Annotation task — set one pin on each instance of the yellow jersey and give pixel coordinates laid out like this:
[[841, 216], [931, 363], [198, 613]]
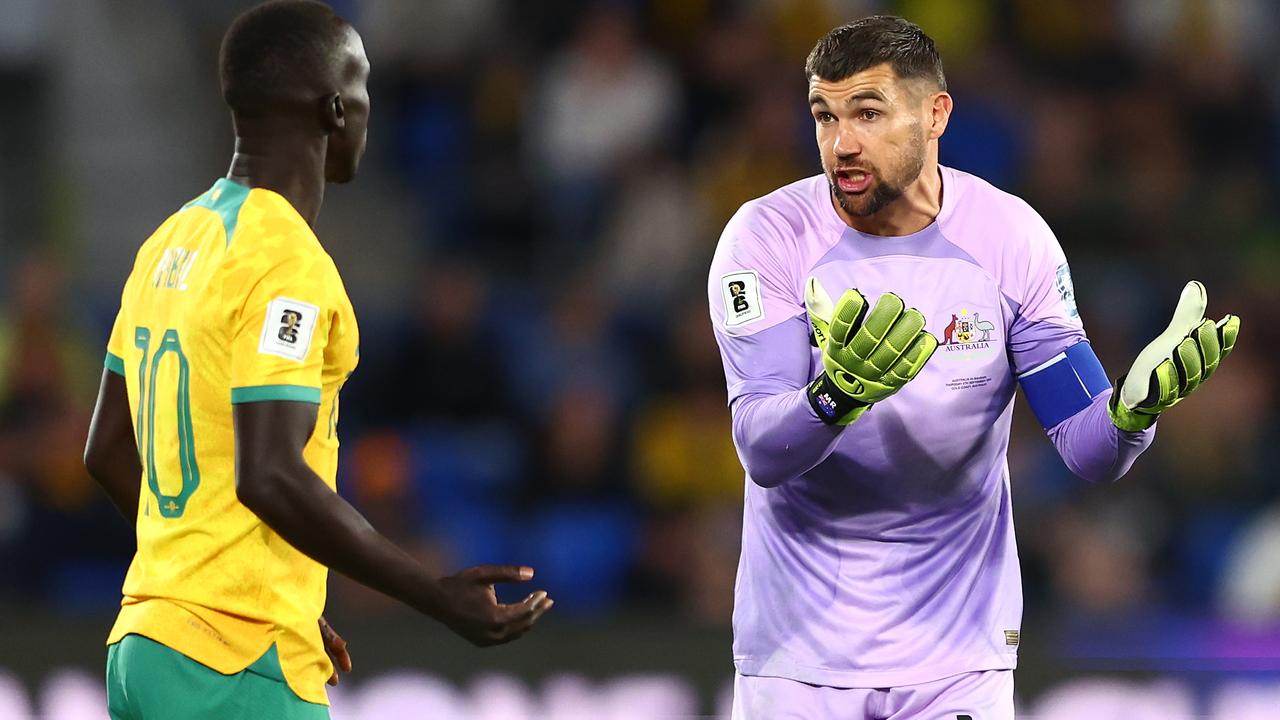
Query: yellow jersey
[[232, 300]]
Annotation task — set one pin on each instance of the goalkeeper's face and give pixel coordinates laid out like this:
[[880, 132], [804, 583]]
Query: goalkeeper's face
[[872, 137]]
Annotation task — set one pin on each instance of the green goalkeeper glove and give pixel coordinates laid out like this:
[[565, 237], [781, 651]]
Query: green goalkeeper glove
[[1174, 364], [866, 356]]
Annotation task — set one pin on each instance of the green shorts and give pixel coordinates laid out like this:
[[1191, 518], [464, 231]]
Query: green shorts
[[146, 679]]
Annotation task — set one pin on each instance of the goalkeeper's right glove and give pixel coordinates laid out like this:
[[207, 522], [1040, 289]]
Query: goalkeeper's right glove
[[866, 356]]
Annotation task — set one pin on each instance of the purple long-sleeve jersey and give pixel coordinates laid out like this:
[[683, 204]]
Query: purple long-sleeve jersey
[[882, 554]]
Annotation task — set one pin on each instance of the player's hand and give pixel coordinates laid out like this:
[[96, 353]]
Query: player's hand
[[866, 356], [1175, 363], [469, 606], [336, 648]]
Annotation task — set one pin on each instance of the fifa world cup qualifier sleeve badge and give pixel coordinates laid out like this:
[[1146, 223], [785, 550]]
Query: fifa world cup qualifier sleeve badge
[[741, 298], [287, 328]]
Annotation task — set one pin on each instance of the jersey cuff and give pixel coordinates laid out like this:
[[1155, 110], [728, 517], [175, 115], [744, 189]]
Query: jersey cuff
[[263, 393], [114, 363]]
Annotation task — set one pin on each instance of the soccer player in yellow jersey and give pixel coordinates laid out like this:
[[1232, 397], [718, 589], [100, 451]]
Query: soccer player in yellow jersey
[[214, 429]]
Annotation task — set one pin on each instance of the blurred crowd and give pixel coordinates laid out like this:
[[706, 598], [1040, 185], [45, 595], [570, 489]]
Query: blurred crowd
[[527, 250]]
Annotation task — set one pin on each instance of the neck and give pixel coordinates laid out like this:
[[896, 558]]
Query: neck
[[919, 206], [288, 163]]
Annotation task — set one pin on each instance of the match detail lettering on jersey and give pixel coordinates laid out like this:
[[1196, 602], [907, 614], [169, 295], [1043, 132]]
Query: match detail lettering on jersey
[[287, 330], [741, 298]]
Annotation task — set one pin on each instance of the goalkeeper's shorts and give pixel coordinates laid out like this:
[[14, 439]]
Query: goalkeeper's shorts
[[983, 695], [146, 679]]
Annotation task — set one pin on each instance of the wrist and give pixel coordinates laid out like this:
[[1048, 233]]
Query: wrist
[[1126, 419], [832, 405], [415, 586], [429, 598]]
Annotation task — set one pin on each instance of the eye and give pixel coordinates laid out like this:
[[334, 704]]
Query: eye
[[868, 115], [823, 117]]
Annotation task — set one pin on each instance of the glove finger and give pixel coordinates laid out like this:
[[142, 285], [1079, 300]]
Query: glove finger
[[1187, 361], [900, 337], [1190, 310], [1228, 330], [847, 316], [1186, 317], [914, 359], [820, 308], [1206, 337], [877, 325], [1164, 386]]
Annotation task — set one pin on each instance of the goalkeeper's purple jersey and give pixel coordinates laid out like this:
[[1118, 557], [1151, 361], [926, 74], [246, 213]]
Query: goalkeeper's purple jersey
[[882, 554]]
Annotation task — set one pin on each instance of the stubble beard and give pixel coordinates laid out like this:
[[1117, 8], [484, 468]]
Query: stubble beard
[[884, 189]]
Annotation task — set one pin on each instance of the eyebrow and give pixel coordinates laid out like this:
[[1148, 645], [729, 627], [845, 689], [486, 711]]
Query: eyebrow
[[867, 95], [871, 94]]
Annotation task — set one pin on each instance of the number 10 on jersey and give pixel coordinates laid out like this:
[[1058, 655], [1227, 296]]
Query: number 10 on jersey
[[171, 506]]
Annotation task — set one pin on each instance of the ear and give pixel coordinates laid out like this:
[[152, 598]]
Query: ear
[[332, 113], [940, 114]]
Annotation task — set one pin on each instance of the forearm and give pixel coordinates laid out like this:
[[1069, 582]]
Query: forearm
[[110, 451], [121, 478], [296, 504], [1093, 447], [779, 437]]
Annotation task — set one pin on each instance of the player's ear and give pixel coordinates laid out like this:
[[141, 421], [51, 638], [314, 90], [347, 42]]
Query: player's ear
[[941, 114], [333, 114]]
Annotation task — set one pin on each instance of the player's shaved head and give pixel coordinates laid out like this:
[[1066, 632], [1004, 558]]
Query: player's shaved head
[[282, 52], [295, 76], [853, 47]]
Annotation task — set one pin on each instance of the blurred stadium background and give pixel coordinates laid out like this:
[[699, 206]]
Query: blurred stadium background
[[526, 249]]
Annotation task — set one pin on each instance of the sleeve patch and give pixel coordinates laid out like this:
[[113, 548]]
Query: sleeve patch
[[1066, 290], [287, 329], [741, 298]]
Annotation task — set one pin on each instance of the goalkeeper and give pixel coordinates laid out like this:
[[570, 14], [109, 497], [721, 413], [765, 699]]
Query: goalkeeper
[[879, 575]]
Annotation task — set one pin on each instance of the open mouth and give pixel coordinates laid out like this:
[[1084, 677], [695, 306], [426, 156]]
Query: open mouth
[[853, 181]]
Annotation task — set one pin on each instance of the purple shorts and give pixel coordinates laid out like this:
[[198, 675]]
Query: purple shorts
[[984, 695]]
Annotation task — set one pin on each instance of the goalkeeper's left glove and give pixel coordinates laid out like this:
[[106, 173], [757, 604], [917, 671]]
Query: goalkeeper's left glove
[[1174, 364]]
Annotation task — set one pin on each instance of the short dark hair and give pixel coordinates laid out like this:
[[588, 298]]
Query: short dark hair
[[273, 50], [856, 46]]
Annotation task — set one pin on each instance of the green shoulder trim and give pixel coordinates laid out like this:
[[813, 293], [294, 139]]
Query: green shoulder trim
[[225, 198], [114, 363], [262, 393]]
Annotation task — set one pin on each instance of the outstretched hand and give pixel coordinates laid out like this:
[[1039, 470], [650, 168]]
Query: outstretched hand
[[868, 353], [469, 606], [1173, 365]]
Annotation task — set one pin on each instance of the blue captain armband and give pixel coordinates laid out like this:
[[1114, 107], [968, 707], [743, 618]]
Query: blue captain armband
[[1064, 384]]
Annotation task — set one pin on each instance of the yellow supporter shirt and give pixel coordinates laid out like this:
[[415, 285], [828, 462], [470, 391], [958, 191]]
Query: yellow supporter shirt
[[232, 300]]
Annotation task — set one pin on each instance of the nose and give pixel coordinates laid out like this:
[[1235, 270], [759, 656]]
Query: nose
[[847, 143]]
